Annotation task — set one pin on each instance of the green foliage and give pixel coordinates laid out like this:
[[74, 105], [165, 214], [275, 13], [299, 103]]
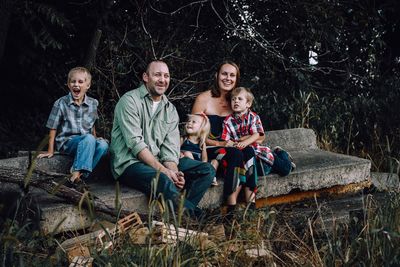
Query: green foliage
[[346, 97]]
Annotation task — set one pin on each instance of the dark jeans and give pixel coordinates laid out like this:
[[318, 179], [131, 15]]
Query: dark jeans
[[232, 167], [198, 178], [282, 164]]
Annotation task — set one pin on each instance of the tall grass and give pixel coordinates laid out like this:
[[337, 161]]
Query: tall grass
[[370, 238]]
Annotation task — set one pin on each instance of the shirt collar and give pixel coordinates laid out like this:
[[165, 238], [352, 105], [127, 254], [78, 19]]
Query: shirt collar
[[242, 117], [143, 92], [71, 100]]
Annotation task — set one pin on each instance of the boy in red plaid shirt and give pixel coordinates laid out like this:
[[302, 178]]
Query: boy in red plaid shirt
[[243, 128]]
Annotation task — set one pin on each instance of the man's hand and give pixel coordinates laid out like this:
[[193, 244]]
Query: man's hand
[[177, 177], [180, 183], [45, 155]]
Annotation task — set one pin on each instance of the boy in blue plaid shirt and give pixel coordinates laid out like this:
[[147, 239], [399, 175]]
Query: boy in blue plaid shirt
[[74, 115]]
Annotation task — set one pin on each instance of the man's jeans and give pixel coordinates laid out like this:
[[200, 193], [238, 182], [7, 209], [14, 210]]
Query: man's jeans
[[87, 151], [198, 178]]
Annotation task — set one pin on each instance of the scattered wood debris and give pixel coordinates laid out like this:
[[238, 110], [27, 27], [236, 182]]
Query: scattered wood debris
[[169, 234]]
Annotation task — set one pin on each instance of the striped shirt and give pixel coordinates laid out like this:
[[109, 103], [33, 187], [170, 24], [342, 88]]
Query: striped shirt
[[236, 127], [70, 119]]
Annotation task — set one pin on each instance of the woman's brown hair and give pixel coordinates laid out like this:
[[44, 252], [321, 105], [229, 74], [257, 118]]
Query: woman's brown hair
[[215, 92]]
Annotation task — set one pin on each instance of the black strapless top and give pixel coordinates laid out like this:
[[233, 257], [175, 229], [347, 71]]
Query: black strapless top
[[216, 123]]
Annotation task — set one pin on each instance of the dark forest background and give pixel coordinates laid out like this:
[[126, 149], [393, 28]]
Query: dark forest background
[[350, 97]]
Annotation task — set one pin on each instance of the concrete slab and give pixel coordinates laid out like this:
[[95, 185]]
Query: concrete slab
[[316, 169], [385, 181]]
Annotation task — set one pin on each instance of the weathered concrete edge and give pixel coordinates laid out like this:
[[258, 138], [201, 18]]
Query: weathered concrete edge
[[328, 177]]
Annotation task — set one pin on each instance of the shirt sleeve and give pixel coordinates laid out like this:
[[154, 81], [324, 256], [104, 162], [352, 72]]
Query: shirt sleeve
[[256, 126], [169, 149], [226, 136], [129, 123], [55, 116]]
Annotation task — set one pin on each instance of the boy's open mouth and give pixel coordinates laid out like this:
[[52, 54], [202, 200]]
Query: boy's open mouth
[[76, 91]]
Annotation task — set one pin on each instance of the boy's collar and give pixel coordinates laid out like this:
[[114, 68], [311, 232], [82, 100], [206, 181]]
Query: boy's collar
[[241, 116], [71, 99]]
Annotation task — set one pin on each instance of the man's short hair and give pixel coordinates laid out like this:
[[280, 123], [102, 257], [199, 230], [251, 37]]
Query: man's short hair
[[154, 61], [249, 94], [82, 70]]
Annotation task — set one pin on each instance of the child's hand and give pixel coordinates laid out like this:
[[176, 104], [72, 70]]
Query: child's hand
[[230, 143], [241, 145], [45, 155], [204, 146]]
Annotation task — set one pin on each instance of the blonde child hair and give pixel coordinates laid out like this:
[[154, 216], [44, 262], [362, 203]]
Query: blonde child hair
[[81, 70], [205, 128], [249, 94]]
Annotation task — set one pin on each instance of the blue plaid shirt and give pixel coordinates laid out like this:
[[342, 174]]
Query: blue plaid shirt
[[72, 120]]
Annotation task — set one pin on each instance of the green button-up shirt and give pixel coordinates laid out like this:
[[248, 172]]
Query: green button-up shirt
[[136, 128]]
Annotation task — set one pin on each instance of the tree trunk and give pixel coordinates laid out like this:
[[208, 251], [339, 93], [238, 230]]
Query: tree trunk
[[91, 54], [90, 59], [6, 9]]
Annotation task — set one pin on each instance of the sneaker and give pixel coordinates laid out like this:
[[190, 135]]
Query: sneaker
[[79, 185], [278, 148]]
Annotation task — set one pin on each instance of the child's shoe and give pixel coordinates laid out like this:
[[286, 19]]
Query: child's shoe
[[278, 148], [214, 182], [79, 185]]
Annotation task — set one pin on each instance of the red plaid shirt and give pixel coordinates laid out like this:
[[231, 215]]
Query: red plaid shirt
[[236, 127]]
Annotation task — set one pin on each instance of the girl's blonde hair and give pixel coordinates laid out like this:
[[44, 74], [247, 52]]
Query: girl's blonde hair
[[204, 127]]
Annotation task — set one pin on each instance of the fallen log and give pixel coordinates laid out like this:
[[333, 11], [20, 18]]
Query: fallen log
[[46, 181]]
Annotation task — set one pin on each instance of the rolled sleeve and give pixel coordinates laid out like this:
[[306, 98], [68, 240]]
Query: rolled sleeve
[[256, 126], [169, 150], [129, 122]]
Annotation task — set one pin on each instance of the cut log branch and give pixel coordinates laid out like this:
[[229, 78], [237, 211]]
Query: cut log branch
[[46, 181]]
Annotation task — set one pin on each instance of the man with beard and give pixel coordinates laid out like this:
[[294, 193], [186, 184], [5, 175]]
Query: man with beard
[[145, 141]]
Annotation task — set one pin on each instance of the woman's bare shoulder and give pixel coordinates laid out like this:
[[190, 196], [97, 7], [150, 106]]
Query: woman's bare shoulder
[[200, 104], [204, 96]]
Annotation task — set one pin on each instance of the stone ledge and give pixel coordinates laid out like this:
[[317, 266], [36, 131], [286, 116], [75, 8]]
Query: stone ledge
[[316, 169]]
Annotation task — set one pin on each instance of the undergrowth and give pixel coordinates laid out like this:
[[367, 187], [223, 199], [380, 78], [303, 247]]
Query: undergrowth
[[370, 238]]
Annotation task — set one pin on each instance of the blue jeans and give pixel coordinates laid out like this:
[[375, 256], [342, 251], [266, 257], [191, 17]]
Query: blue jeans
[[87, 152], [198, 178], [282, 163]]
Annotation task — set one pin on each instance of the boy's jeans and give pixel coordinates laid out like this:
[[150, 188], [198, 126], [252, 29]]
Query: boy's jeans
[[198, 178], [87, 152], [282, 164]]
